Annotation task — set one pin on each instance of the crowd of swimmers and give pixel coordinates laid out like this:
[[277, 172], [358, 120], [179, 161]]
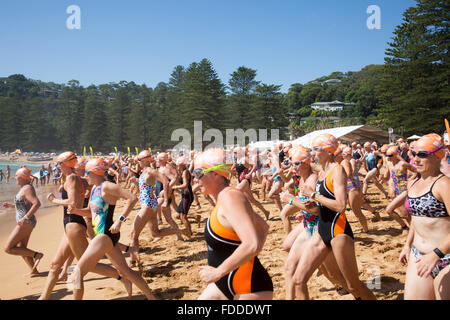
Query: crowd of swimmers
[[311, 187]]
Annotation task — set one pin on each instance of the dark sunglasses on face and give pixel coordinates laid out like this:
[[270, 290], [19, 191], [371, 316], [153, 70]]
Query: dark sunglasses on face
[[298, 163], [425, 154], [198, 173], [389, 155], [421, 154]]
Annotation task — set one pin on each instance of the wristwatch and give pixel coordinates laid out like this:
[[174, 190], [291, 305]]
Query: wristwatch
[[122, 218], [439, 253]]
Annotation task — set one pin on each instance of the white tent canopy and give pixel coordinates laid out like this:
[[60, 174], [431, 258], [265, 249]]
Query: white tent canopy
[[265, 144], [361, 133], [414, 137]]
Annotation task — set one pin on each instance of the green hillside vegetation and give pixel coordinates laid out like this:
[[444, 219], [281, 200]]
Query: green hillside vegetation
[[409, 93]]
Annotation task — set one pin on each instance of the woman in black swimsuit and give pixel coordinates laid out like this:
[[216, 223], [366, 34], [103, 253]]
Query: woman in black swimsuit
[[334, 235], [74, 240], [235, 235]]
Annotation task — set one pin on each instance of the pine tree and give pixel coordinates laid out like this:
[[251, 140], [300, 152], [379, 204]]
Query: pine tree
[[414, 90]]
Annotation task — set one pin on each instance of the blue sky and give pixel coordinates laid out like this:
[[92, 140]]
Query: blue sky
[[286, 41]]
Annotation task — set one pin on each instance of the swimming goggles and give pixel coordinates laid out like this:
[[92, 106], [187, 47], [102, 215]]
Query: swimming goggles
[[199, 172], [425, 154]]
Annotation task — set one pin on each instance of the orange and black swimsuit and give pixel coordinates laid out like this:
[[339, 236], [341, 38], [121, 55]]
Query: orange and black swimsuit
[[331, 223], [249, 277]]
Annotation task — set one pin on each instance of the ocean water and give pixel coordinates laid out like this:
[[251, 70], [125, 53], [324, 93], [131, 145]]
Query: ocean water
[[10, 189]]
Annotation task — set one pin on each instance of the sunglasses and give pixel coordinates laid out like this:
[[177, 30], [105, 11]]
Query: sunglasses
[[140, 159], [425, 154], [298, 163], [317, 149], [59, 163], [389, 155], [200, 172]]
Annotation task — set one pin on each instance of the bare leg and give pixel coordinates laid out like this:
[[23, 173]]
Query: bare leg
[[16, 245], [285, 213], [355, 203], [344, 252]]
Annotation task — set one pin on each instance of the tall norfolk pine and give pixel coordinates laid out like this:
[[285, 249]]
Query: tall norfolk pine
[[414, 89]]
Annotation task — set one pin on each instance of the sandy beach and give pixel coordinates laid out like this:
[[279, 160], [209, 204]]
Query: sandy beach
[[171, 267]]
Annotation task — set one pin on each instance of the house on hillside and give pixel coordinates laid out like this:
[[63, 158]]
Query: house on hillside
[[331, 106], [332, 81]]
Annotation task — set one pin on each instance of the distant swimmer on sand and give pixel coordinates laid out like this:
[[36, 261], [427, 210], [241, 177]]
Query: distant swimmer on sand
[[235, 235], [26, 204], [101, 206], [149, 204]]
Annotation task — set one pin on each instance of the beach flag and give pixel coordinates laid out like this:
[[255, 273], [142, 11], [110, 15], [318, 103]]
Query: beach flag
[[128, 148], [84, 151], [149, 149], [137, 150], [115, 148], [447, 126], [92, 152]]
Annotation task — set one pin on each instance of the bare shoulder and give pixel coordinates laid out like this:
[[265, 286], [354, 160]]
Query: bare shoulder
[[231, 195], [443, 184]]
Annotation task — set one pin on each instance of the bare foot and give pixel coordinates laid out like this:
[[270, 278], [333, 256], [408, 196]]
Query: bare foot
[[37, 258], [377, 216], [187, 233], [134, 254], [128, 286]]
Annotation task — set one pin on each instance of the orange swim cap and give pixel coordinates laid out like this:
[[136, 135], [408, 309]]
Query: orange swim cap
[[81, 163], [431, 142], [392, 150], [181, 160], [145, 156], [347, 150], [301, 154], [212, 158], [163, 156], [327, 142], [297, 148], [68, 158], [384, 148], [24, 173], [97, 166]]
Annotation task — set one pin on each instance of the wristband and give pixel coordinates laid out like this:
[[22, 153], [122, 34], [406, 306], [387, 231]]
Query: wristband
[[439, 253], [122, 218], [290, 201]]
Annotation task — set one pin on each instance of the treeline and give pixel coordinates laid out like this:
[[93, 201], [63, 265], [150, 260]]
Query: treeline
[[409, 93], [41, 116]]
